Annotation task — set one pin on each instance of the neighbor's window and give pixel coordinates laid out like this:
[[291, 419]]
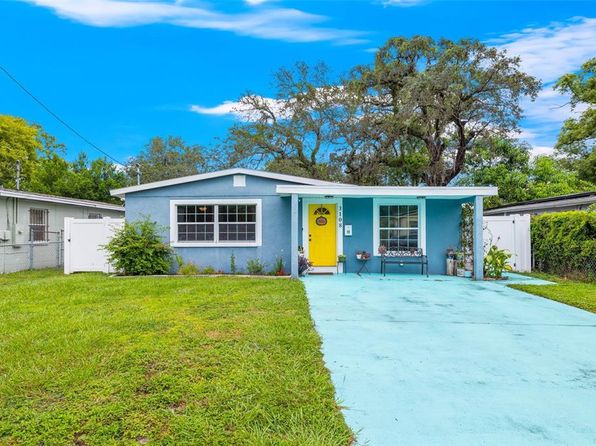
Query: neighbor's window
[[94, 215], [38, 225], [398, 227]]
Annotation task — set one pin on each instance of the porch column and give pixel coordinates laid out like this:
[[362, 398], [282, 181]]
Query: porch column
[[294, 235], [478, 239]]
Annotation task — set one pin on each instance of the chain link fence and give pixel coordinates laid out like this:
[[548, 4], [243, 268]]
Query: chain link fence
[[43, 252]]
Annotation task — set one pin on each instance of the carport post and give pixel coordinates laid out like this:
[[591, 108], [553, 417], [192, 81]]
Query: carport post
[[478, 241], [294, 235]]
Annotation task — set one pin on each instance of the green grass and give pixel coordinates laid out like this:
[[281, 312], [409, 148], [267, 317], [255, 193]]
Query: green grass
[[92, 360], [570, 292]]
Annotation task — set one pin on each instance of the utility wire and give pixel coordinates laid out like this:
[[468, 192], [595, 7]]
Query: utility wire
[[58, 118]]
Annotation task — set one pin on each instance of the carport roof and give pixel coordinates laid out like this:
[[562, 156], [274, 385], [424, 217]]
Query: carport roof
[[387, 191]]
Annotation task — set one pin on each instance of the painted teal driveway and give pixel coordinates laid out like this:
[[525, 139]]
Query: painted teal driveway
[[449, 361]]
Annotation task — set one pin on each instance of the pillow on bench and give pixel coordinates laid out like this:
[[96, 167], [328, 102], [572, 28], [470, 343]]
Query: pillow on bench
[[408, 253]]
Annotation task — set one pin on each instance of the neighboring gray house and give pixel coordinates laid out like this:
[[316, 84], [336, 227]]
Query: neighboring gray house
[[31, 226], [570, 202], [254, 214]]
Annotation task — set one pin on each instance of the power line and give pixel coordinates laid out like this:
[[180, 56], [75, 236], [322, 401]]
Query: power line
[[58, 118]]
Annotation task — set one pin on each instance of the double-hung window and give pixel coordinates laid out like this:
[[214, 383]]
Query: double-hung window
[[399, 224], [216, 222]]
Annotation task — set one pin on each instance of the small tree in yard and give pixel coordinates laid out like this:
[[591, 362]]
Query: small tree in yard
[[137, 249]]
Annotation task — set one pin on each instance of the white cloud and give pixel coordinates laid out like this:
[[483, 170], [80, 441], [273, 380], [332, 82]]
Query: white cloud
[[402, 2], [541, 150], [255, 2], [548, 52], [238, 110], [550, 107], [291, 25], [242, 108], [225, 108]]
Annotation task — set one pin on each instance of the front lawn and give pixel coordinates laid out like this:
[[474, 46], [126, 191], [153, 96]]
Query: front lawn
[[570, 292], [92, 360]]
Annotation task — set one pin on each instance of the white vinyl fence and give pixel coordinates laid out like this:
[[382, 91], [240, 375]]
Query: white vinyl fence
[[512, 233], [83, 241]]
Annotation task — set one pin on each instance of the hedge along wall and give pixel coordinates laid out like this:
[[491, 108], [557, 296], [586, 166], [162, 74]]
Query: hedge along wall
[[564, 243]]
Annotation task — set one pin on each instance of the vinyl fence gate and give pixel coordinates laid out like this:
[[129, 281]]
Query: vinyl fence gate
[[83, 241], [512, 233]]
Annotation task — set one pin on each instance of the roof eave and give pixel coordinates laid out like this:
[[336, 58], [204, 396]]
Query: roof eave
[[388, 191], [220, 173], [60, 200]]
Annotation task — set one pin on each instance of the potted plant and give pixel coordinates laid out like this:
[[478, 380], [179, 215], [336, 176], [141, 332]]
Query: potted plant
[[304, 265], [450, 262], [461, 264], [362, 255], [341, 258], [382, 250]]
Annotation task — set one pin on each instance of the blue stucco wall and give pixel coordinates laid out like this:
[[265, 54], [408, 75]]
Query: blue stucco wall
[[155, 204], [442, 232], [442, 224]]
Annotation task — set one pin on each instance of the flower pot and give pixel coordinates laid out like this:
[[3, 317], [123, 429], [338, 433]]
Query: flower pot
[[468, 274], [450, 267], [460, 272]]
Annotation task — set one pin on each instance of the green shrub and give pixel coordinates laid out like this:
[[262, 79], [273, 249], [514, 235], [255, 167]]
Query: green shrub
[[208, 270], [137, 249], [564, 243], [255, 266], [495, 262], [278, 268], [188, 269], [233, 268]]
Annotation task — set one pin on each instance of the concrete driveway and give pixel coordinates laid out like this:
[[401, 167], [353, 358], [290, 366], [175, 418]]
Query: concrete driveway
[[444, 360]]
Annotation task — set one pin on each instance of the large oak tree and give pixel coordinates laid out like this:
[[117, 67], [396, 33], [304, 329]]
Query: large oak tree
[[442, 95], [293, 132]]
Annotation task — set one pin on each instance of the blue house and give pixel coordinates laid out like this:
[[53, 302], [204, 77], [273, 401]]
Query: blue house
[[254, 214]]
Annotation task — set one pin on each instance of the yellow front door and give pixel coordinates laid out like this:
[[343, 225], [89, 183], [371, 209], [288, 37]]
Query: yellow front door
[[322, 234]]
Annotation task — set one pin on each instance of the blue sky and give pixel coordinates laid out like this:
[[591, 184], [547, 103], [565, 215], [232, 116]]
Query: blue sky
[[121, 71]]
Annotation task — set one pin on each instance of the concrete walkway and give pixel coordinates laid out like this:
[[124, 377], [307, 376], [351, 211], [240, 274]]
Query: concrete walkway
[[444, 360]]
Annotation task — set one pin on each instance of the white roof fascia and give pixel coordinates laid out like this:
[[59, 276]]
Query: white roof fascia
[[543, 205], [388, 191], [60, 200], [220, 173]]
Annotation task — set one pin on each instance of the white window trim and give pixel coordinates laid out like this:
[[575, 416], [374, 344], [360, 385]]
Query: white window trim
[[420, 202], [215, 243]]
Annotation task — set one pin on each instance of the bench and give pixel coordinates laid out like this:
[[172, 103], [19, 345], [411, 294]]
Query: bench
[[412, 257]]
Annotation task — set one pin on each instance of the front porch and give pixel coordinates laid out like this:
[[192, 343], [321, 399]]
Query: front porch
[[329, 221]]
